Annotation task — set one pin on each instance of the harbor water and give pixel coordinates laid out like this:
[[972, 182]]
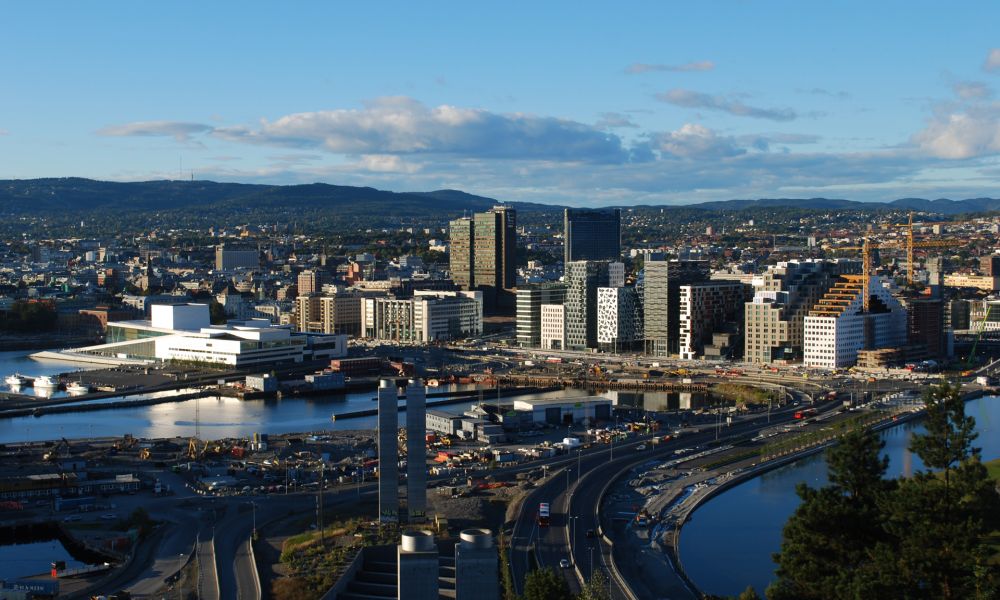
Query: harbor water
[[730, 539]]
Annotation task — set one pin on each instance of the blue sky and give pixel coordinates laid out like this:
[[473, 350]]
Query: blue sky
[[568, 102]]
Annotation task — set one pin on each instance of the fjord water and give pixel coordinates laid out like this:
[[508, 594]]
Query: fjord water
[[729, 541]]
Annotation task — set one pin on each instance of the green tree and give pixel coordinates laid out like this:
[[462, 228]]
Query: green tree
[[545, 584], [748, 594], [829, 539], [596, 588], [217, 312], [941, 517], [506, 575]]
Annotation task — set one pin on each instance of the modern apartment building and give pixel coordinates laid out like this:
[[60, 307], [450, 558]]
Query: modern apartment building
[[592, 234], [837, 327], [310, 282], [708, 308], [783, 296], [661, 281]]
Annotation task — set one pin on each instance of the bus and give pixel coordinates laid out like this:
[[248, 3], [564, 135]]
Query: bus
[[543, 514], [804, 414]]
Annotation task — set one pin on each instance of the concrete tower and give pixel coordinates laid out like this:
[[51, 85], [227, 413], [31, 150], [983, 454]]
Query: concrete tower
[[476, 566], [388, 452], [417, 570], [416, 453]]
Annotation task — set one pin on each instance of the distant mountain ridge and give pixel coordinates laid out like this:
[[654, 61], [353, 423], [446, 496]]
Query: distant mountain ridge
[[75, 195]]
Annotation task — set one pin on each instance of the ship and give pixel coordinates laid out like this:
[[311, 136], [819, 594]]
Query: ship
[[16, 380], [44, 381], [78, 388]]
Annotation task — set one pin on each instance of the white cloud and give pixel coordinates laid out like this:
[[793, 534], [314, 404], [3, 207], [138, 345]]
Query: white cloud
[[4, 132], [614, 120], [971, 133], [386, 163], [178, 130], [992, 60], [701, 65], [692, 99], [972, 90], [696, 141], [400, 125]]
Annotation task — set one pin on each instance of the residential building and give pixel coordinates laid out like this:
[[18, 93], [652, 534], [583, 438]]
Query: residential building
[[619, 319], [990, 265], [838, 327], [310, 282], [591, 234], [530, 299], [661, 281], [783, 296], [708, 308]]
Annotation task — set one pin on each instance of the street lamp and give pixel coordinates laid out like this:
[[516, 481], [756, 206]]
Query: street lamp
[[180, 566], [572, 542]]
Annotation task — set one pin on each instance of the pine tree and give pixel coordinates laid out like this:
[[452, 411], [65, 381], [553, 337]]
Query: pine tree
[[941, 516], [829, 539]]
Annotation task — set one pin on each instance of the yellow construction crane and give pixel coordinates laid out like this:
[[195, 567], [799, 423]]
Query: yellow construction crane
[[870, 245], [911, 243]]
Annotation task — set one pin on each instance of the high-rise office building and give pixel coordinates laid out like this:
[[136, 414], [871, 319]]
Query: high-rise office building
[[530, 299], [388, 452], [416, 451], [661, 281], [583, 277], [483, 256], [592, 234], [460, 257], [619, 319], [990, 265]]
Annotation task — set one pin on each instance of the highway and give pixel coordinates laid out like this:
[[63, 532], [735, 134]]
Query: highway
[[570, 524]]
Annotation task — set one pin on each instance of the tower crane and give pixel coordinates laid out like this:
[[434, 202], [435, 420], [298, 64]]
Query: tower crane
[[870, 245], [911, 243]]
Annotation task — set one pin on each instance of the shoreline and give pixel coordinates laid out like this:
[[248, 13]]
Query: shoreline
[[672, 553]]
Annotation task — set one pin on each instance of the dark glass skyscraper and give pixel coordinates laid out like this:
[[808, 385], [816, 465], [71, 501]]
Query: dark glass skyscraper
[[592, 234]]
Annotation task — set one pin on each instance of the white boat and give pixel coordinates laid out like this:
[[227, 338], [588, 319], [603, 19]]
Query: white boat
[[78, 387], [16, 380], [44, 381]]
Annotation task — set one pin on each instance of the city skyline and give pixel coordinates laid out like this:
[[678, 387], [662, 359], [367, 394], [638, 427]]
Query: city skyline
[[584, 107]]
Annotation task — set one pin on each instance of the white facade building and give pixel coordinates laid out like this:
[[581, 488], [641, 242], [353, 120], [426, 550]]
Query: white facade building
[[837, 327], [428, 316], [553, 328], [619, 318], [185, 317]]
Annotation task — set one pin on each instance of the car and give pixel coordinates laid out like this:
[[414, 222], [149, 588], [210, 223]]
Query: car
[[591, 533], [71, 519], [109, 516], [641, 447], [564, 564]]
